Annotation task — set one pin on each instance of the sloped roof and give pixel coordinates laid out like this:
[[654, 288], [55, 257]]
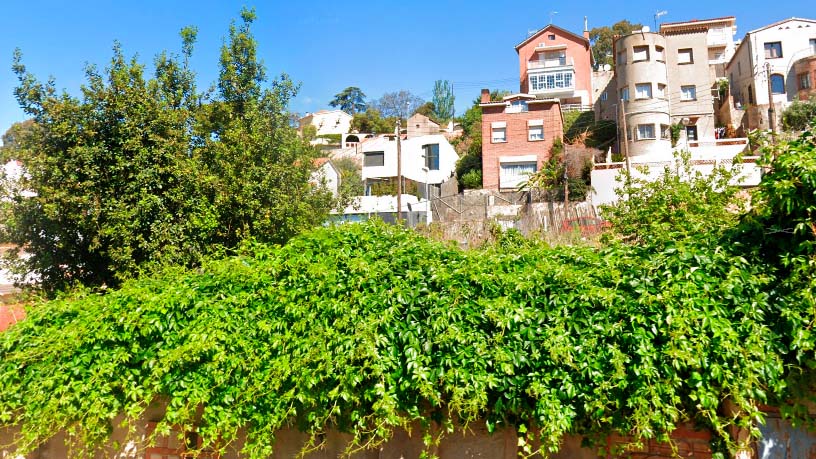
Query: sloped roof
[[551, 27], [782, 22]]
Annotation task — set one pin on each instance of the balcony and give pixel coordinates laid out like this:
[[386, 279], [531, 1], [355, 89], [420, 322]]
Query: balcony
[[552, 80]]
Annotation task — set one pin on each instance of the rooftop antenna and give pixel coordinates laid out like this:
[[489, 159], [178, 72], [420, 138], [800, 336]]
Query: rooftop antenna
[[530, 32], [552, 13], [657, 16]]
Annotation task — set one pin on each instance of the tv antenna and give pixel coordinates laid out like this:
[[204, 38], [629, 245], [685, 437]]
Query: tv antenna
[[552, 13], [657, 16]]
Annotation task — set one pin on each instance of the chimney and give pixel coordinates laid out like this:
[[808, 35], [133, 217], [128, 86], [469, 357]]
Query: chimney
[[485, 96], [586, 28]]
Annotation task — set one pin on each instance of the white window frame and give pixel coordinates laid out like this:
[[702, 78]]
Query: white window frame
[[643, 91], [646, 132], [661, 91], [624, 94], [681, 56], [498, 127], [513, 171], [552, 80], [687, 90], [535, 130]]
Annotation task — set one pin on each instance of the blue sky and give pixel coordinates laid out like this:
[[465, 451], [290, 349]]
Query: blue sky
[[329, 45]]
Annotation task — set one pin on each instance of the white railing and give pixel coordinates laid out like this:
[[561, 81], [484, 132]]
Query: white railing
[[718, 142]]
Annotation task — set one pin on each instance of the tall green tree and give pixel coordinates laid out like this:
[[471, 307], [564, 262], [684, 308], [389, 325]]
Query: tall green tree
[[351, 100], [443, 100], [601, 39]]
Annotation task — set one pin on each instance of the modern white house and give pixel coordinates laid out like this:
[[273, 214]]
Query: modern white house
[[764, 68]]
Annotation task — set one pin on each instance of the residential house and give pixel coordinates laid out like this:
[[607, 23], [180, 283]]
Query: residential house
[[805, 71], [419, 125], [555, 63], [327, 122], [326, 174], [427, 162], [768, 70], [517, 138]]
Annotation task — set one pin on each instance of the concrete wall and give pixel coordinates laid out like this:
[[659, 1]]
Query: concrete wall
[[421, 125], [604, 86], [517, 135]]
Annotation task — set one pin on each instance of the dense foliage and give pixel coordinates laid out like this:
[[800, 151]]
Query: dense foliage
[[368, 328], [351, 100], [142, 170], [799, 115]]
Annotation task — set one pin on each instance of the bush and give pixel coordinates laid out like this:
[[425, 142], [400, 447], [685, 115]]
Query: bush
[[799, 115], [472, 180]]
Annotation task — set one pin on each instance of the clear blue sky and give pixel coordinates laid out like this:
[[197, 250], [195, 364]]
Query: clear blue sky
[[329, 45]]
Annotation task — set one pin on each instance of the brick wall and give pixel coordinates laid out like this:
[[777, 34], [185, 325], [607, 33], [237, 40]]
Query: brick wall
[[518, 143]]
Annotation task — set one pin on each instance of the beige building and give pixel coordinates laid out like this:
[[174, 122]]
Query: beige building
[[327, 122], [763, 68], [419, 124]]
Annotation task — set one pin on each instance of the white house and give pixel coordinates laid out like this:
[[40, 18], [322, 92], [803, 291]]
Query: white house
[[765, 62], [426, 160], [326, 175], [327, 122]]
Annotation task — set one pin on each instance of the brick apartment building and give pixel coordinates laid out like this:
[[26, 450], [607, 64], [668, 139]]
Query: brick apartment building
[[517, 136]]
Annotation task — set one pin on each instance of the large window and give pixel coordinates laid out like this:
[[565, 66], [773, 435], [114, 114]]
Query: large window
[[555, 58], [685, 56], [777, 84], [773, 50], [374, 158], [514, 174], [660, 54], [555, 80], [640, 53], [688, 92], [431, 153], [535, 130], [645, 131], [624, 94], [643, 91]]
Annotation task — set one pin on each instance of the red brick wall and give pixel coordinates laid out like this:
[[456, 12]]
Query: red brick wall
[[518, 143], [577, 51], [687, 443], [807, 65]]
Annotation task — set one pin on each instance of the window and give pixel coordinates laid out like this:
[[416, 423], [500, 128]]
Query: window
[[777, 84], [813, 45], [643, 91], [739, 68], [665, 132], [640, 53], [685, 56], [621, 58], [661, 90], [773, 50], [604, 96], [750, 94], [535, 130], [555, 80], [512, 175], [660, 54], [551, 36], [645, 131], [691, 133], [431, 154], [804, 81], [517, 106], [499, 134], [374, 159], [555, 58], [624, 94], [688, 92]]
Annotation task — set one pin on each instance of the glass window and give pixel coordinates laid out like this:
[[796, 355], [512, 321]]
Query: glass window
[[555, 58], [374, 159], [621, 57], [640, 53], [777, 84], [604, 96], [804, 81], [518, 106], [512, 175], [688, 92], [685, 56], [556, 80], [773, 50], [750, 94], [431, 153], [813, 45], [624, 94], [499, 135], [665, 132], [643, 91], [551, 36], [661, 90], [660, 54], [645, 131], [536, 133]]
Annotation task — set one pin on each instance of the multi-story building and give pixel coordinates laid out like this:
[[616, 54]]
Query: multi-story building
[[670, 78], [327, 122], [517, 138], [805, 71], [555, 63], [764, 74]]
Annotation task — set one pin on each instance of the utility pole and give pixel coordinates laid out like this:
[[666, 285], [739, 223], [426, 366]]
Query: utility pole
[[771, 114], [625, 138], [566, 179], [399, 173]]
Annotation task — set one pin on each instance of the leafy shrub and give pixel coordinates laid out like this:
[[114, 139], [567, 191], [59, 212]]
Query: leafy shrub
[[799, 115], [471, 180]]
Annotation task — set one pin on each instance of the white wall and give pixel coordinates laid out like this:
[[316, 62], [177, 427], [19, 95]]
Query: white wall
[[327, 175], [412, 159], [328, 122]]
